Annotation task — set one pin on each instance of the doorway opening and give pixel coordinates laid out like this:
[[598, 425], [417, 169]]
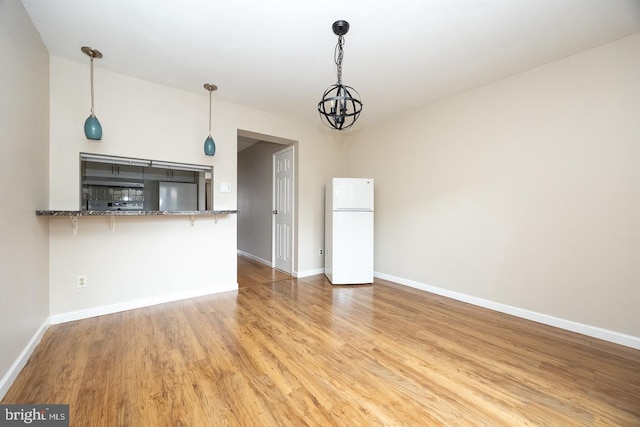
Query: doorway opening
[[267, 200]]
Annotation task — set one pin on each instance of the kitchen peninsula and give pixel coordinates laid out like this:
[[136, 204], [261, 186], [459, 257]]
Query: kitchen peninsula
[[73, 215], [131, 213]]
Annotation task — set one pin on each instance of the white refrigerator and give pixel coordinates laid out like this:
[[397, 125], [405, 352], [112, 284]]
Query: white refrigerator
[[349, 231], [177, 196]]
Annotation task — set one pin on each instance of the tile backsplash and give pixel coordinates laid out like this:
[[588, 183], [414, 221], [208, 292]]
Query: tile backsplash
[[111, 194], [142, 197]]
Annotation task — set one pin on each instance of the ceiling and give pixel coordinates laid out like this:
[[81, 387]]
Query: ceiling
[[278, 55]]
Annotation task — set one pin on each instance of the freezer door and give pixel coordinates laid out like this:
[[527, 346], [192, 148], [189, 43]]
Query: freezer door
[[352, 194], [352, 248]]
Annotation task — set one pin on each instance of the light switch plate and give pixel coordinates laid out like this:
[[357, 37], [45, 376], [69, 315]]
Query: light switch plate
[[225, 188]]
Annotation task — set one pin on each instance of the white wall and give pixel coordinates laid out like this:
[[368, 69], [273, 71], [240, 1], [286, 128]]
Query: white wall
[[525, 192], [24, 152], [145, 258], [255, 199]]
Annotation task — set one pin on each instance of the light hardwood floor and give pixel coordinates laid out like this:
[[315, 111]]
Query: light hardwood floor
[[287, 352], [251, 273]]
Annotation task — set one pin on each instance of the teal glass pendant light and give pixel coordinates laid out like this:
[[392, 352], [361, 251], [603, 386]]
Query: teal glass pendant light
[[340, 105], [209, 144], [92, 126]]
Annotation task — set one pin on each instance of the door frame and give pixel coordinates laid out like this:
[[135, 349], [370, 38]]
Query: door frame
[[292, 194]]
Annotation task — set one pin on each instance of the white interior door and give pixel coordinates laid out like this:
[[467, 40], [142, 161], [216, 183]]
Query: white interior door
[[283, 202]]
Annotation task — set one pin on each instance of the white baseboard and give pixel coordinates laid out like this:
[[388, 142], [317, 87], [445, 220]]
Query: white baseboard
[[255, 258], [130, 305], [307, 273], [569, 325], [23, 358]]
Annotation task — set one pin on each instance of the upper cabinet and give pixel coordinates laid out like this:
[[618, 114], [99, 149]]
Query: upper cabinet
[[110, 170], [173, 175]]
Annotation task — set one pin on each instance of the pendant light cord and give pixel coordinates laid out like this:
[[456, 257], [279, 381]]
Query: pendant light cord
[[91, 56], [210, 111]]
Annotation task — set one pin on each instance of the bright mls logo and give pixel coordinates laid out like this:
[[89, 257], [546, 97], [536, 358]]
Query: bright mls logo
[[35, 415]]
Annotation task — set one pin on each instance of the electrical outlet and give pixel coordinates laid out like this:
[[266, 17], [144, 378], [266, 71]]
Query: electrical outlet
[[82, 281], [321, 252]]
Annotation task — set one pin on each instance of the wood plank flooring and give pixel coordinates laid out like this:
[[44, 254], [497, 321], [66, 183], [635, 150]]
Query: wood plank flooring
[[287, 352], [251, 273]]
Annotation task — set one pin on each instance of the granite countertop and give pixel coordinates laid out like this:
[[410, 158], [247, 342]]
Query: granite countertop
[[130, 213]]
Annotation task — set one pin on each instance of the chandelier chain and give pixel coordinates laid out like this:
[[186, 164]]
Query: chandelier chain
[[338, 55]]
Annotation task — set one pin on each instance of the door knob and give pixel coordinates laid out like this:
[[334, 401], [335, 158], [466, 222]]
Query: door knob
[[275, 211]]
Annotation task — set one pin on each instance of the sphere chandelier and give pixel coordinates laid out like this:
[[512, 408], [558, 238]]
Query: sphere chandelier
[[340, 106]]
